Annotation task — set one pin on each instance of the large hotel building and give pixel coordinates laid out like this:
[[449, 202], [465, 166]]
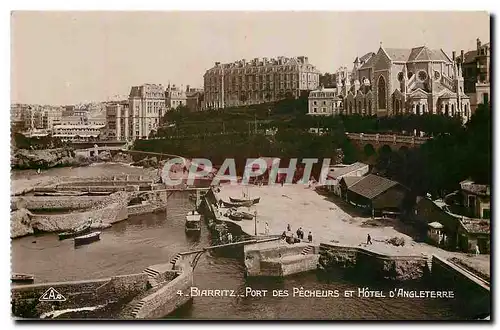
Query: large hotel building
[[258, 81]]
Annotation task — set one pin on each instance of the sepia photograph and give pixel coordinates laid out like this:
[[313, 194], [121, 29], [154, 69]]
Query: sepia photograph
[[250, 165]]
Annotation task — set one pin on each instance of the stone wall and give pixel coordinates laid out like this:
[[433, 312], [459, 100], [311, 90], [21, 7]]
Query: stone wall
[[466, 287], [366, 262], [145, 208], [57, 202], [276, 258], [25, 298], [166, 299]]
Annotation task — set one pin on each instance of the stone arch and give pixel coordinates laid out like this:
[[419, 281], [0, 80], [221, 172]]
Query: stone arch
[[382, 93], [369, 150], [385, 150]]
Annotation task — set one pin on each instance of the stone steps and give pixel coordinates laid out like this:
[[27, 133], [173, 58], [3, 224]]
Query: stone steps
[[307, 250], [137, 308], [175, 259], [152, 277]]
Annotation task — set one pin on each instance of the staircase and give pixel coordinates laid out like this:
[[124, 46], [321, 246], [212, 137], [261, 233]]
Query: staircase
[[429, 261], [307, 250], [152, 277], [175, 259], [137, 308]]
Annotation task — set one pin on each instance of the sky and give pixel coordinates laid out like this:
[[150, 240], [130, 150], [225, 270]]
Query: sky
[[71, 57]]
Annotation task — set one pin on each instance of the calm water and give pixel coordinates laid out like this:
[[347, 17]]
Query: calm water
[[141, 241]]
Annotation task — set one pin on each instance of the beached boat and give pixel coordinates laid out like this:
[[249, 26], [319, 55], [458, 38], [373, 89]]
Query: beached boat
[[246, 215], [239, 200], [239, 204], [87, 239], [22, 278], [193, 222], [78, 231], [238, 216]]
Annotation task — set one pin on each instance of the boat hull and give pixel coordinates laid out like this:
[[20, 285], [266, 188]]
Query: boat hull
[[66, 235], [87, 240], [238, 200], [238, 204], [22, 278]]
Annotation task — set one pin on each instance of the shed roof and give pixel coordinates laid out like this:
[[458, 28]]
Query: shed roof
[[336, 173], [372, 185], [436, 225], [351, 180]]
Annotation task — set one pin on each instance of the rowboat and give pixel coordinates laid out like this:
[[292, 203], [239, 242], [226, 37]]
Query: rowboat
[[238, 204], [22, 278], [238, 200], [78, 231], [193, 222], [238, 216], [87, 239]]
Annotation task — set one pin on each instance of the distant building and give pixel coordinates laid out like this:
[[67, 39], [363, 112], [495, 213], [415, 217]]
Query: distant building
[[397, 81], [77, 132], [356, 170], [175, 96], [375, 194], [18, 112], [146, 108], [194, 98], [51, 117], [476, 71], [324, 102], [258, 81], [117, 121], [476, 199]]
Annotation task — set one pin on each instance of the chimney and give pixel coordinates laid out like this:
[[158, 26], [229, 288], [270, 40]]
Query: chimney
[[187, 88], [306, 60], [217, 63], [453, 56], [462, 56], [478, 42]]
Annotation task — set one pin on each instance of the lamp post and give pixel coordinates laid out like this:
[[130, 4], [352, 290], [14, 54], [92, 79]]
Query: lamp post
[[255, 217]]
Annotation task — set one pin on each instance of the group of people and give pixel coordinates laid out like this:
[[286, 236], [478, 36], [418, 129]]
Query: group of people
[[291, 238]]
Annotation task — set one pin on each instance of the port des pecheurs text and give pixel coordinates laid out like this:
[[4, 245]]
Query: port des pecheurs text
[[199, 168]]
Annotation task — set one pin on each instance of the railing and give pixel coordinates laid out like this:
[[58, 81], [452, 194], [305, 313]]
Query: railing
[[447, 82], [388, 138]]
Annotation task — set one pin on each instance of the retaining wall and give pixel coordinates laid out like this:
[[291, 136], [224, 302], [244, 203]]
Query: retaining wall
[[366, 262], [166, 299], [25, 299]]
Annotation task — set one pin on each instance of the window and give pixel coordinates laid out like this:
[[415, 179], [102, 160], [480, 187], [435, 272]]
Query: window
[[315, 109], [324, 102], [422, 75], [382, 97], [410, 74], [400, 76]]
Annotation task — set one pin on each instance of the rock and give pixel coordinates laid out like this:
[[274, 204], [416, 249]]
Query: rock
[[122, 158], [104, 156], [147, 162], [396, 241], [20, 223], [46, 158]]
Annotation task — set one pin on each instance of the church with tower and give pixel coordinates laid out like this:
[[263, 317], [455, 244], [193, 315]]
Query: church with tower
[[396, 81]]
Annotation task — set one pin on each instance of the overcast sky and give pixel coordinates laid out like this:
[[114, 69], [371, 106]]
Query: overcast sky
[[71, 57]]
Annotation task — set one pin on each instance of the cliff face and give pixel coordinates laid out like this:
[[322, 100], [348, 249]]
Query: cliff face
[[46, 158], [20, 223]]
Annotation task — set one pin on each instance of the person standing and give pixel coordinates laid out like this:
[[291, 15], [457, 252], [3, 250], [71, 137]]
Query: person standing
[[298, 233], [288, 228], [267, 229], [477, 250], [368, 239], [229, 238], [310, 237]]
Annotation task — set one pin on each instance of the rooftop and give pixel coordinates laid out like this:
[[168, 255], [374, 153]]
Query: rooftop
[[372, 185], [476, 226], [336, 173]]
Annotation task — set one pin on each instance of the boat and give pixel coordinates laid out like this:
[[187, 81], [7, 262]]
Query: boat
[[193, 222], [22, 278], [238, 204], [239, 200], [237, 216], [87, 239], [246, 215], [78, 231]]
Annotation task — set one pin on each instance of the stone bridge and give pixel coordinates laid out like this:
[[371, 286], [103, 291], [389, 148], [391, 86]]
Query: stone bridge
[[394, 142]]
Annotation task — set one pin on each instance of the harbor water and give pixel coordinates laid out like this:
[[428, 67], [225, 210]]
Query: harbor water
[[134, 244]]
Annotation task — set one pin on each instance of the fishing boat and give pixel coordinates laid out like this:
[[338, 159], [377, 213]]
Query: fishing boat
[[22, 278], [238, 204], [246, 215], [236, 216], [87, 239], [239, 200], [78, 231], [193, 222]]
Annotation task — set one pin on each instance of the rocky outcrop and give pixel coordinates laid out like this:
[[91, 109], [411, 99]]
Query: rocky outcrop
[[20, 223], [147, 162], [104, 156], [122, 158], [46, 158]]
